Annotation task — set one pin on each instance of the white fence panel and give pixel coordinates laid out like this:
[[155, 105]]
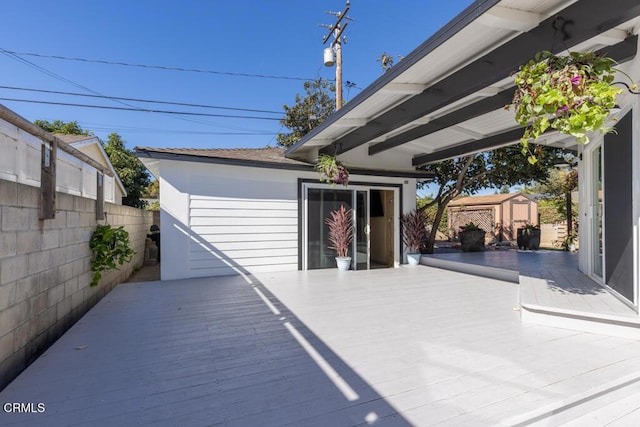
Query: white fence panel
[[20, 162]]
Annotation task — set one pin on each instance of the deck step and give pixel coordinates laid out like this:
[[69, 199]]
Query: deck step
[[604, 404], [503, 274], [597, 323]]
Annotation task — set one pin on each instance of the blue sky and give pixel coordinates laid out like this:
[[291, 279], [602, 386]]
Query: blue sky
[[277, 38]]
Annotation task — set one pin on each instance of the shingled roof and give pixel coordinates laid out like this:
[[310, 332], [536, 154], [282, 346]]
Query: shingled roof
[[271, 155]]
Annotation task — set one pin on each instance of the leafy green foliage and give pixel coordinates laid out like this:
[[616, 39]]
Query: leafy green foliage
[[470, 226], [155, 206], [110, 248], [340, 230], [414, 230], [430, 210], [331, 170], [387, 61], [308, 111], [549, 212], [58, 126], [557, 204], [572, 94], [132, 173], [152, 191], [505, 166]]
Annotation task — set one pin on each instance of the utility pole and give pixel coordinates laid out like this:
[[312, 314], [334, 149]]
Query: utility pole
[[336, 47]]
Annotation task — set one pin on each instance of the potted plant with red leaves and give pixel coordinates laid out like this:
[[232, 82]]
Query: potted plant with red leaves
[[414, 230], [341, 235]]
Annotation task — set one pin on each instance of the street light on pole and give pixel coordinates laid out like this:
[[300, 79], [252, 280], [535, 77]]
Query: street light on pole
[[333, 54]]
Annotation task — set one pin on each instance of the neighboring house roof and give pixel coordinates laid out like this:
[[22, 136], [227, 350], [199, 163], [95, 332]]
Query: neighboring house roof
[[70, 139], [491, 199], [270, 157], [446, 98], [80, 141]]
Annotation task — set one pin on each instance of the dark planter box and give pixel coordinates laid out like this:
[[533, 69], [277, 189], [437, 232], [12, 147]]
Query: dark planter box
[[528, 238], [472, 240]]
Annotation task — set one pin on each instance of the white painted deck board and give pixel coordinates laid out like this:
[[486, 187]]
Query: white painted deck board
[[419, 346]]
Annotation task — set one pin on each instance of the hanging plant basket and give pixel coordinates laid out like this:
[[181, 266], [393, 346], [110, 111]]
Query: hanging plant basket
[[571, 94], [332, 171]]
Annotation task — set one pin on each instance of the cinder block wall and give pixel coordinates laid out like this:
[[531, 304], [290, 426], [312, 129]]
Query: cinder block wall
[[45, 269]]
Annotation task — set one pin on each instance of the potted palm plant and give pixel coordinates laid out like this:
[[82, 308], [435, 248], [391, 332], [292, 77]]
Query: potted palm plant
[[341, 235], [471, 237], [414, 230]]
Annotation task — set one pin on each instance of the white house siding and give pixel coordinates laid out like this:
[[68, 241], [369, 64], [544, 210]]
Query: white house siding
[[222, 220], [225, 220]]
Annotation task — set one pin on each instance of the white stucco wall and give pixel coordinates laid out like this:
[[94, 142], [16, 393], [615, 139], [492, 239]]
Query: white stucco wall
[[223, 220]]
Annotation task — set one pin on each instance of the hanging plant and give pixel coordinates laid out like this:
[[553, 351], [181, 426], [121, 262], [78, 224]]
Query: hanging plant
[[109, 246], [331, 170], [572, 94]]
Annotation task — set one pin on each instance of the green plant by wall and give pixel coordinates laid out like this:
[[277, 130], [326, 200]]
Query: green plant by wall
[[110, 248], [470, 226]]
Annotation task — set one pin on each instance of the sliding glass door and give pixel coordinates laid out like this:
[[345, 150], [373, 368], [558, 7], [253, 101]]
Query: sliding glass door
[[320, 203], [362, 243], [596, 214]]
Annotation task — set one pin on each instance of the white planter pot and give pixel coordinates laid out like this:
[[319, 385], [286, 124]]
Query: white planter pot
[[414, 259], [344, 263]]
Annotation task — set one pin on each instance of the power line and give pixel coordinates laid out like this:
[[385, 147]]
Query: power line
[[142, 110], [71, 82], [175, 131], [158, 67], [140, 100]]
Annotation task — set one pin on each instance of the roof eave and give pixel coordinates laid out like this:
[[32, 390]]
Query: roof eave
[[158, 155]]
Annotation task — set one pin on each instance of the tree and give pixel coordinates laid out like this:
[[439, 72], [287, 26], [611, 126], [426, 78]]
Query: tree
[[58, 126], [492, 169], [387, 61], [308, 111], [152, 191], [430, 211], [557, 191], [132, 173]]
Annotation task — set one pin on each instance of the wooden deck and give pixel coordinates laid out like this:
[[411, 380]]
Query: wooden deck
[[408, 346]]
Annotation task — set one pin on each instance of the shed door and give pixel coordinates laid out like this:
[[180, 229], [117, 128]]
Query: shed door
[[520, 216]]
